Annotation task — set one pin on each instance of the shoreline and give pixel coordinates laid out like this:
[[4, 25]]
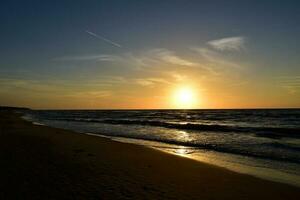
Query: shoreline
[[250, 166], [260, 172], [40, 160]]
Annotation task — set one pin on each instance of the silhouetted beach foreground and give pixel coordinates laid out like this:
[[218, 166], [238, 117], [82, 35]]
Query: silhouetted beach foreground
[[39, 162]]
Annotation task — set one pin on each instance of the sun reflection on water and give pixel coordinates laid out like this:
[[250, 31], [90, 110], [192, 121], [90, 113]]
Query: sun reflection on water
[[183, 135], [183, 151]]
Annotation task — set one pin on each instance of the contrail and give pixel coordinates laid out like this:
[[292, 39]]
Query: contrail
[[104, 39]]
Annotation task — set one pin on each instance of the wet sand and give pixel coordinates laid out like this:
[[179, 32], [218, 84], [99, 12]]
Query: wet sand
[[39, 162]]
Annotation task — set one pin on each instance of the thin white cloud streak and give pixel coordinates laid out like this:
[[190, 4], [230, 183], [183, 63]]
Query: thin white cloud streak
[[214, 58], [179, 77], [61, 88], [100, 57], [290, 83], [104, 39], [228, 44], [160, 56], [289, 80], [159, 59], [30, 85], [289, 77], [90, 94], [170, 57], [151, 81], [145, 59]]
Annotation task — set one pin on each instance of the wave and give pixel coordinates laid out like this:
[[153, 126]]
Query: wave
[[214, 147], [273, 151], [283, 146], [269, 132]]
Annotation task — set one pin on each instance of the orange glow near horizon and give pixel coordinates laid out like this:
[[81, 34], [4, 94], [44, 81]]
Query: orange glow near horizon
[[185, 98]]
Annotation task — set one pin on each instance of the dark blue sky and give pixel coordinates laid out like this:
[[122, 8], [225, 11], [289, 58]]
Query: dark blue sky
[[48, 39]]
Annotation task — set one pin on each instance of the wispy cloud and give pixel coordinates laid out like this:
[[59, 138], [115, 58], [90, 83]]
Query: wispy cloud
[[170, 57], [290, 83], [151, 81], [141, 60], [215, 59], [162, 59], [24, 85], [99, 88], [100, 57], [228, 44], [90, 94], [104, 39], [161, 56], [295, 78], [178, 77]]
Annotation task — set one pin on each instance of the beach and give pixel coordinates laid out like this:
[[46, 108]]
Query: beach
[[39, 162]]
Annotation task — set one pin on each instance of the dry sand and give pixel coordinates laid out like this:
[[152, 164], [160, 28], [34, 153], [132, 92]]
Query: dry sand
[[38, 162]]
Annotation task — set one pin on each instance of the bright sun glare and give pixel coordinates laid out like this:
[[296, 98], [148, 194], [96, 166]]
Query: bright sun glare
[[185, 98]]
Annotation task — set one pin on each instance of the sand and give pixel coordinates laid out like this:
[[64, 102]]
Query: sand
[[39, 162]]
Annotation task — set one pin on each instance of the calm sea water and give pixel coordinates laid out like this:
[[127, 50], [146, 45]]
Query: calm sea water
[[265, 143]]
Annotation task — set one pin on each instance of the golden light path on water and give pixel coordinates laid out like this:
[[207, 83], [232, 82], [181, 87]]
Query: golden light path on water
[[240, 164]]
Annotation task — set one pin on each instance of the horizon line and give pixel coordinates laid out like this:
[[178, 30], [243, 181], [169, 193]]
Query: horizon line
[[250, 108]]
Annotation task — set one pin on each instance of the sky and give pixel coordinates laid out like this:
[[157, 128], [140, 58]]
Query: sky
[[140, 54]]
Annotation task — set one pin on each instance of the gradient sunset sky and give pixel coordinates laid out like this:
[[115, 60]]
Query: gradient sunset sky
[[136, 54]]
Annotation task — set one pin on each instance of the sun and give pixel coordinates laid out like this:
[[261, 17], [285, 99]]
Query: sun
[[184, 98]]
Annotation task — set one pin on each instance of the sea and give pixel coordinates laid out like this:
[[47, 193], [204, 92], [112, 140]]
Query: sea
[[260, 142]]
